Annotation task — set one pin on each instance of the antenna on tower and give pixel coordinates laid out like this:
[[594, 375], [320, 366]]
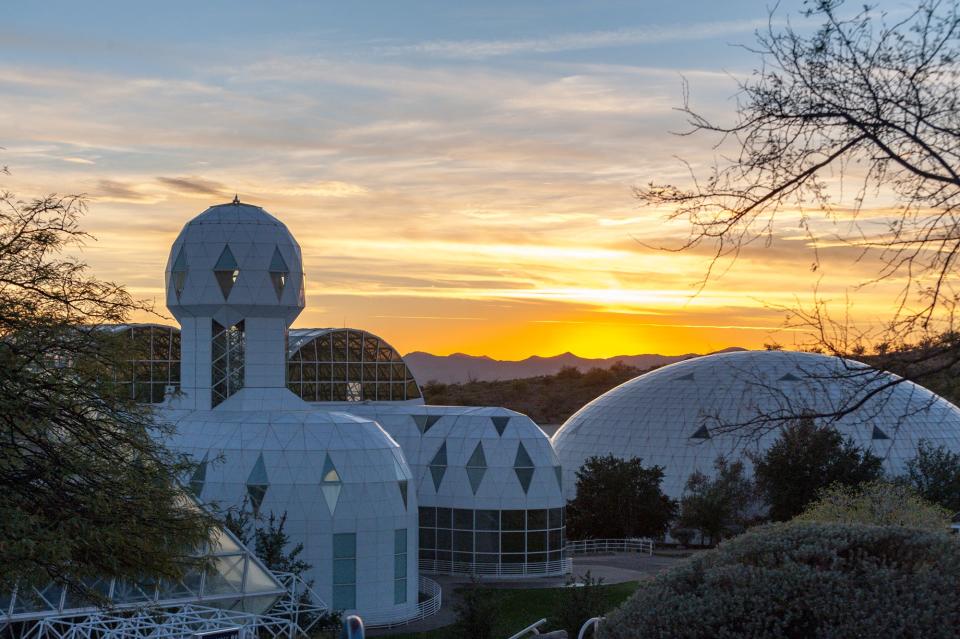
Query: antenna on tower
[[236, 200]]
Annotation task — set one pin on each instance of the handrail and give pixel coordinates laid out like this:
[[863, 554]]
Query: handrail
[[554, 568], [588, 546], [595, 622], [531, 628], [425, 608]]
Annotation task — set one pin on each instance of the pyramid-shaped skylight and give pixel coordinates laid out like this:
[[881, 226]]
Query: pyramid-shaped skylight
[[257, 484], [278, 272], [179, 273], [476, 467], [523, 467], [438, 466], [226, 271], [702, 433], [425, 422], [330, 484], [500, 423]]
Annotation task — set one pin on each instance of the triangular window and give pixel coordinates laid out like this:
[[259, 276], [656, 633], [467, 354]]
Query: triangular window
[[558, 471], [425, 422], [226, 271], [523, 467], [879, 434], [179, 273], [403, 492], [257, 484], [500, 423], [686, 378], [789, 377], [476, 467], [438, 466], [278, 272], [702, 433]]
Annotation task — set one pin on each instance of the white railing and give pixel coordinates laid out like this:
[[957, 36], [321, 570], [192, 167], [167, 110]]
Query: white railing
[[537, 569], [427, 605], [532, 628], [594, 546], [589, 623]]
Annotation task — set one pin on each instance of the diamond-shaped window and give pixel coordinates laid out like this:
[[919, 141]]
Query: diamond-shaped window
[[330, 484], [403, 492], [438, 466], [278, 272], [257, 484], [523, 466], [226, 271], [476, 467], [179, 273]]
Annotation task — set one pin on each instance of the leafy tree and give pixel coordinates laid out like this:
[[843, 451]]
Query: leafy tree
[[805, 459], [87, 489], [476, 611], [878, 503], [582, 599], [619, 498], [935, 473], [718, 506]]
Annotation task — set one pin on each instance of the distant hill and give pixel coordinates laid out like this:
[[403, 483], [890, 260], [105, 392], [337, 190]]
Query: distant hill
[[460, 368]]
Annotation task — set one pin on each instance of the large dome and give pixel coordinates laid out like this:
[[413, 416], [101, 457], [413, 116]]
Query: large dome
[[672, 416]]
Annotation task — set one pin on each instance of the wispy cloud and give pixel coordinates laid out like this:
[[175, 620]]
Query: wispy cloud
[[193, 185], [477, 49]]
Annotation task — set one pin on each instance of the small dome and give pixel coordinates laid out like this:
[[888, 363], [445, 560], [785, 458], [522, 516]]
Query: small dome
[[234, 261], [338, 478], [670, 416]]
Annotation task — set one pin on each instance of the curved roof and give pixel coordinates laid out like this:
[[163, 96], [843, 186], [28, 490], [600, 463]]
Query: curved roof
[[681, 416], [347, 365]]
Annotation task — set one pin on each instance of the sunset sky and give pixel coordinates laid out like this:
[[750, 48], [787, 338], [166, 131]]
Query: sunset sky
[[459, 177]]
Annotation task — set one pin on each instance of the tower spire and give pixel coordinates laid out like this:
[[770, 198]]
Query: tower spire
[[236, 200]]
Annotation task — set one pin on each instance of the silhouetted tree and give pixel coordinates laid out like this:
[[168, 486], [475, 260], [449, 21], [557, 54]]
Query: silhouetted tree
[[935, 473], [619, 498], [721, 505], [870, 98], [87, 489], [806, 459]]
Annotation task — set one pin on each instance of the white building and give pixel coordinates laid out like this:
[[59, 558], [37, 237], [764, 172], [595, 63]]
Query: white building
[[235, 283], [673, 416]]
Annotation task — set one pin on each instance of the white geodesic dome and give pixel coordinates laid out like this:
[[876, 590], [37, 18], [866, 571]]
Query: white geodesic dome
[[676, 416], [343, 483]]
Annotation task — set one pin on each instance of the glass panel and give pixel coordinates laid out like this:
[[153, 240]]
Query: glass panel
[[512, 542], [488, 520], [463, 519], [444, 518], [513, 559], [428, 538], [400, 565], [556, 519], [555, 540], [512, 519], [344, 597], [463, 540], [536, 541], [463, 557], [488, 542], [428, 516], [400, 591], [443, 539], [344, 545], [536, 558], [536, 519], [400, 540], [344, 571]]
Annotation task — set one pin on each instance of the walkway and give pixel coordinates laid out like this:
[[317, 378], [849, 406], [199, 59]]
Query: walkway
[[612, 568]]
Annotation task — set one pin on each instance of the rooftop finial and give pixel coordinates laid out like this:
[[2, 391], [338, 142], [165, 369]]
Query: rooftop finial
[[236, 200]]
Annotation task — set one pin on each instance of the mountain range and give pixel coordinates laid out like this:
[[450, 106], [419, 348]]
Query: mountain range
[[459, 368]]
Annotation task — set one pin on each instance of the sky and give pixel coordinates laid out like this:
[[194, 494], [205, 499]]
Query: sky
[[459, 175]]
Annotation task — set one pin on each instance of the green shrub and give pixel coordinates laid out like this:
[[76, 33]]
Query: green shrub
[[880, 503], [476, 611], [804, 579], [577, 603]]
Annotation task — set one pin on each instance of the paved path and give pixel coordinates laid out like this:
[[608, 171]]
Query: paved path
[[613, 568]]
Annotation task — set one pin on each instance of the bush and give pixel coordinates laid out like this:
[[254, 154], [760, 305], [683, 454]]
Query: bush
[[879, 503], [803, 579], [476, 611], [576, 604], [718, 506], [935, 473]]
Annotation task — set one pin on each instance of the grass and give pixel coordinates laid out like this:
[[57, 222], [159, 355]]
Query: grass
[[519, 608]]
